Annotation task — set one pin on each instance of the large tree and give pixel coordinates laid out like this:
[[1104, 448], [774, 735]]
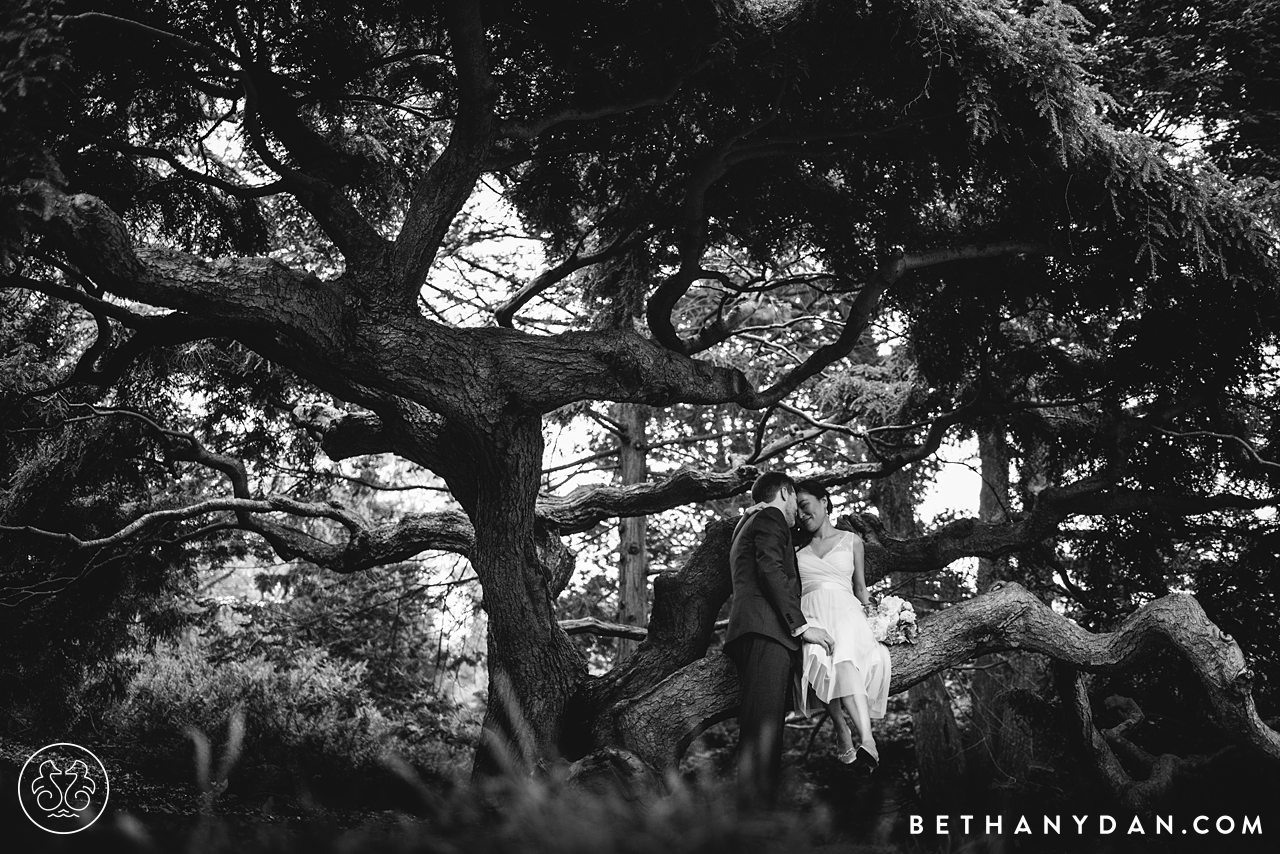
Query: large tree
[[293, 182]]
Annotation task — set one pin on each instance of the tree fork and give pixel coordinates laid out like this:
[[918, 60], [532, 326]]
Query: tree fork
[[685, 606], [1101, 748]]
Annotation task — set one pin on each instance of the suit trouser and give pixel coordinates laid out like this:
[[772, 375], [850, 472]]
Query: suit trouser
[[764, 677]]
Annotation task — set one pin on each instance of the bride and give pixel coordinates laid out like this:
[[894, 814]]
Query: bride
[[833, 595]]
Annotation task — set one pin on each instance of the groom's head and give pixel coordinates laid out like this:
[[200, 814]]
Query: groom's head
[[778, 489]]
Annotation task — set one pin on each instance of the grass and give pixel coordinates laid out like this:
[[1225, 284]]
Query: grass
[[188, 809], [543, 814]]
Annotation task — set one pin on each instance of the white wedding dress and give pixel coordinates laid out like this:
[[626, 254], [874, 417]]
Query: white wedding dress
[[859, 664]]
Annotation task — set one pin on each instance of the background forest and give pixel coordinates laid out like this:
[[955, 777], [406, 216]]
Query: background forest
[[379, 384]]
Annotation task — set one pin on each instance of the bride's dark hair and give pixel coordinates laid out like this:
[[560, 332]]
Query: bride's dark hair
[[815, 489]]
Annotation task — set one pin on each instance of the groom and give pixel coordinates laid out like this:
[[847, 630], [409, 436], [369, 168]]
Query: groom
[[766, 628]]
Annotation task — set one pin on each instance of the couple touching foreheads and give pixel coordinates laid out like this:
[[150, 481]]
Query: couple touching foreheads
[[798, 618]]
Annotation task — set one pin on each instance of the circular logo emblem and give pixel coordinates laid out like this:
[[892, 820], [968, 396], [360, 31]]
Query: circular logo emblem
[[63, 788]]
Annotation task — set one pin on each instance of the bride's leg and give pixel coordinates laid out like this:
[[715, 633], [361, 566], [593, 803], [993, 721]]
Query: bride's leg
[[861, 714], [842, 726]]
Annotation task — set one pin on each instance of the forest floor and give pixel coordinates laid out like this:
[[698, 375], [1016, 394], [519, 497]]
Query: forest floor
[[827, 807]]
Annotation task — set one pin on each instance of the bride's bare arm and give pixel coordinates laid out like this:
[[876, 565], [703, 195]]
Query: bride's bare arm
[[859, 575]]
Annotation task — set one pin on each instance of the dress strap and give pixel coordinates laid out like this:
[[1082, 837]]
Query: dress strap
[[842, 543]]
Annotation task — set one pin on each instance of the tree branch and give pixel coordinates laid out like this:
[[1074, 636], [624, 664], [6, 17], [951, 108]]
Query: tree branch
[[585, 507], [666, 443], [451, 179], [866, 304], [603, 629], [265, 505], [374, 546], [353, 235], [358, 241], [1252, 452], [211, 53], [693, 236], [1006, 618], [242, 191], [270, 307], [91, 303], [505, 314], [154, 330], [343, 347], [1163, 771], [534, 129]]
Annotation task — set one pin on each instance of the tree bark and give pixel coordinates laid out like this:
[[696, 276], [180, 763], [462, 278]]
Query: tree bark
[[993, 497], [681, 625], [633, 554], [533, 667]]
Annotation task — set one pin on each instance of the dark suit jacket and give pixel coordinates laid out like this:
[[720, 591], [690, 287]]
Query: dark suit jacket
[[766, 586]]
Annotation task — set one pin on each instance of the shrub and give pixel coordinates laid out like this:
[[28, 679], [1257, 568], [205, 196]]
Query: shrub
[[315, 711]]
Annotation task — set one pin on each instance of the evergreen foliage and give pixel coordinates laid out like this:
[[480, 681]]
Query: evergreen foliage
[[70, 612]]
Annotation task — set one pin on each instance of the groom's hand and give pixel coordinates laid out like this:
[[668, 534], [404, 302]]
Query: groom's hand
[[819, 635]]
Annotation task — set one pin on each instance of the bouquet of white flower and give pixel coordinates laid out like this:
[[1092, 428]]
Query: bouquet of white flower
[[893, 620]]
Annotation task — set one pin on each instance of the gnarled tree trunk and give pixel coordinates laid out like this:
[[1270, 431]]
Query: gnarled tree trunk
[[533, 667]]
